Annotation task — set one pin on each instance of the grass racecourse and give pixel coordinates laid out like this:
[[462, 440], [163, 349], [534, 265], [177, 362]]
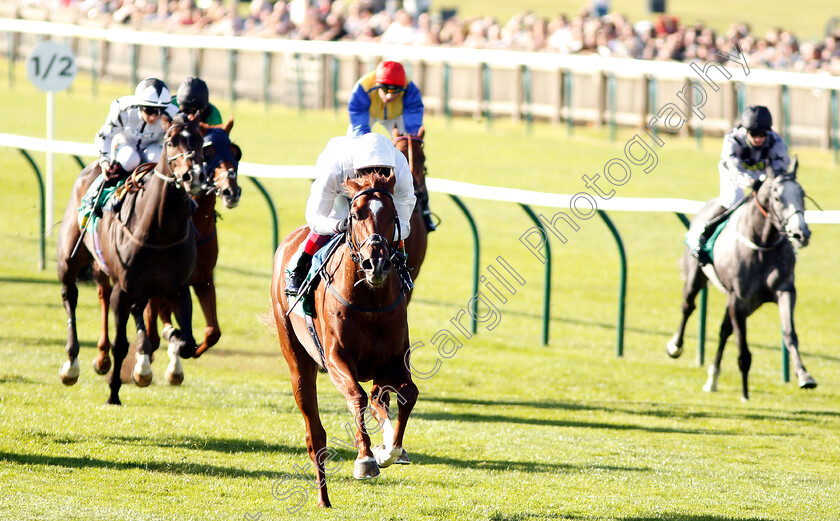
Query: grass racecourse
[[507, 429]]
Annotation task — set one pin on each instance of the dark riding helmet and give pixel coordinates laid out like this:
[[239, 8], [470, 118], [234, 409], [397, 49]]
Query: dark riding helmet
[[757, 118], [193, 92]]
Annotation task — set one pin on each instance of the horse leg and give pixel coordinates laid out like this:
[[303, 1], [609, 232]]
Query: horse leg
[[142, 373], [181, 342], [343, 375], [392, 450], [150, 316], [714, 369], [205, 292], [786, 300], [738, 316], [102, 362], [69, 371], [695, 280], [303, 373], [120, 306]]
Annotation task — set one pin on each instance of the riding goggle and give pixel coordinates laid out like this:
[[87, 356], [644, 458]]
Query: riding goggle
[[190, 109], [757, 133], [390, 89], [152, 111]]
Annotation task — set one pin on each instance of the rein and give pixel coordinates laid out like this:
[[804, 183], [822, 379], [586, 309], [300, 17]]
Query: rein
[[770, 213]]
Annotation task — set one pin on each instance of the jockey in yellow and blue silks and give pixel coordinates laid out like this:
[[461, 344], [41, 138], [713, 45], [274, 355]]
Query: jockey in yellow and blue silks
[[387, 96]]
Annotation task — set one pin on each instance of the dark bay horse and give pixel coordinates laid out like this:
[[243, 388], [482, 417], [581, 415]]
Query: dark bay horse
[[222, 158], [145, 249], [417, 241], [362, 325], [754, 259]]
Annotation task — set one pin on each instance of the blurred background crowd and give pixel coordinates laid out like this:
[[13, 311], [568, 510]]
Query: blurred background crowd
[[593, 30]]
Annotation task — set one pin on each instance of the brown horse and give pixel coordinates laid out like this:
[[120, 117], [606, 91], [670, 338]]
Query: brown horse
[[146, 249], [222, 158], [417, 241], [360, 318]]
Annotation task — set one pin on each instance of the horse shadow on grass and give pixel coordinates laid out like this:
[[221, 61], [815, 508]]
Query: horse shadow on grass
[[528, 467], [215, 444], [666, 411], [165, 467]]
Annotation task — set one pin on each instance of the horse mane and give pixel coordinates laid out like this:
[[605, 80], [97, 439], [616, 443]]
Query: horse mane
[[374, 180]]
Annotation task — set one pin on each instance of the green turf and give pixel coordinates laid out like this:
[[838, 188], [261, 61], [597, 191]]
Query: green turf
[[507, 429]]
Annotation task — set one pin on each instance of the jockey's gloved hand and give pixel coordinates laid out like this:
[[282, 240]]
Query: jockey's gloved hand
[[756, 183], [341, 226]]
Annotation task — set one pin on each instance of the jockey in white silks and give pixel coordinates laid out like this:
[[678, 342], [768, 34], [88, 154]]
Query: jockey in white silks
[[328, 205], [748, 150]]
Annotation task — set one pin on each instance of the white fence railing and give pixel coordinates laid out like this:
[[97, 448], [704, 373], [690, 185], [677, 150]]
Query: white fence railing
[[445, 186]]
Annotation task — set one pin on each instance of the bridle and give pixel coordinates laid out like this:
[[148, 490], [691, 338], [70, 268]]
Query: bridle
[[191, 159], [374, 239], [772, 213]]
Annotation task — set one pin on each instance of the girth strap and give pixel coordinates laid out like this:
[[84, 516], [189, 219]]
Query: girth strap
[[310, 326]]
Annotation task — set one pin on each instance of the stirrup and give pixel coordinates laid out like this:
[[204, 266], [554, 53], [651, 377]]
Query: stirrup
[[428, 221]]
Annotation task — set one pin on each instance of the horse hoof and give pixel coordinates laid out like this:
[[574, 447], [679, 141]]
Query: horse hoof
[[710, 388], [365, 468], [402, 459], [114, 401], [175, 378], [141, 380], [69, 372], [674, 351], [385, 456], [102, 365], [807, 383]]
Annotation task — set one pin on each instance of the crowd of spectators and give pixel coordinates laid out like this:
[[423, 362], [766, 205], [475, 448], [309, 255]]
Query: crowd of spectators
[[408, 22]]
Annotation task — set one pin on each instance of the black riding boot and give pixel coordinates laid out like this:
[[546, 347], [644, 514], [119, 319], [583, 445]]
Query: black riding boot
[[423, 201], [708, 230], [296, 271]]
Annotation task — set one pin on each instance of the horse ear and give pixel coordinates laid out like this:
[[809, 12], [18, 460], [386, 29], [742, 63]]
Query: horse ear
[[391, 181], [236, 151], [395, 132], [203, 128], [353, 186], [227, 127], [794, 166], [421, 132]]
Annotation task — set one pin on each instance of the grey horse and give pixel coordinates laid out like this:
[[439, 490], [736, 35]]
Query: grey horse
[[753, 262]]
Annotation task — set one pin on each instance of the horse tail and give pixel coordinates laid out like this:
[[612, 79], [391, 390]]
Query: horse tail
[[267, 319]]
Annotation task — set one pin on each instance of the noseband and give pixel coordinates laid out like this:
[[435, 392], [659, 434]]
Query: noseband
[[374, 239], [189, 159], [782, 221]]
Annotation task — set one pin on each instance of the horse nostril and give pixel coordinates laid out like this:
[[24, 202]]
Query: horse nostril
[[367, 264]]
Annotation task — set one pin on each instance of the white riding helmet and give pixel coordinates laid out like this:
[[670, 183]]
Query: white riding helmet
[[152, 92], [373, 149]]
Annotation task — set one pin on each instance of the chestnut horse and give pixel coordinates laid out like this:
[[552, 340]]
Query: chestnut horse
[[146, 249], [222, 159], [360, 319], [417, 241]]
